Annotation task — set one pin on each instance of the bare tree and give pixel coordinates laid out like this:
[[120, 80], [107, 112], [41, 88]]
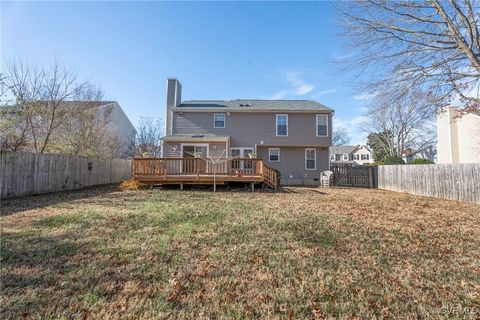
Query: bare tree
[[428, 44], [39, 96], [340, 137], [149, 133], [398, 125], [48, 109], [87, 133]]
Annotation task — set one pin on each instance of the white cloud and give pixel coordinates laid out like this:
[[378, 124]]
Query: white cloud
[[304, 89], [324, 92], [298, 86], [353, 127], [279, 94], [365, 96]]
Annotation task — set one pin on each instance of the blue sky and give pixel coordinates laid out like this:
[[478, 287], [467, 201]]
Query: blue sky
[[218, 50]]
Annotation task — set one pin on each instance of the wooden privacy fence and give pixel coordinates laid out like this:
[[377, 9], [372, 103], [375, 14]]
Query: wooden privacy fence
[[23, 173], [449, 181], [346, 175]]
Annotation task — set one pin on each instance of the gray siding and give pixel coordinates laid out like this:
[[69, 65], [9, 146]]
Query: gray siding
[[247, 129], [292, 165]]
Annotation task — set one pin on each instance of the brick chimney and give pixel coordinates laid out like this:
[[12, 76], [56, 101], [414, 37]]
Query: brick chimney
[[174, 98]]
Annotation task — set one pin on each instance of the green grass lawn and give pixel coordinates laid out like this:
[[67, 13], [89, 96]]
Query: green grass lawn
[[307, 253]]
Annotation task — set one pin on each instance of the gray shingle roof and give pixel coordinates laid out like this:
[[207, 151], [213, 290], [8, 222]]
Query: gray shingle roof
[[342, 149], [255, 105]]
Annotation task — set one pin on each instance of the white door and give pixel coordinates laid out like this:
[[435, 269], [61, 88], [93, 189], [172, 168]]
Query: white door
[[241, 153]]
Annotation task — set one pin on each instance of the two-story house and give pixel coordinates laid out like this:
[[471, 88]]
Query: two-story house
[[292, 136], [353, 155]]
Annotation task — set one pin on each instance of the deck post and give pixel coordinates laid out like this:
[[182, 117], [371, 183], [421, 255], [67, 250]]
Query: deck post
[[253, 186], [181, 186]]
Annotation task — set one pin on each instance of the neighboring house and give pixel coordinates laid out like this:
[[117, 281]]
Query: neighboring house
[[429, 153], [458, 136], [121, 129], [119, 125], [354, 155], [292, 136]]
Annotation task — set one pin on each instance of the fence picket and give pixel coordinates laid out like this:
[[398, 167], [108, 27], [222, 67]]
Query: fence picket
[[449, 181], [24, 173]]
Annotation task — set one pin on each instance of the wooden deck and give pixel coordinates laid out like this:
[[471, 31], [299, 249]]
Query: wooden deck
[[203, 171]]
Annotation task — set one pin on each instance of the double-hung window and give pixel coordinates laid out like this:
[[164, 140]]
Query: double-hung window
[[274, 154], [282, 125], [332, 157], [365, 157], [219, 120], [322, 125], [310, 159], [345, 157]]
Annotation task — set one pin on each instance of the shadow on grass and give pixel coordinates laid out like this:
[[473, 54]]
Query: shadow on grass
[[12, 206]]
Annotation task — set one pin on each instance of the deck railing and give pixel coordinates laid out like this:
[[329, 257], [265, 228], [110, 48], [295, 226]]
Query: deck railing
[[173, 169], [197, 166]]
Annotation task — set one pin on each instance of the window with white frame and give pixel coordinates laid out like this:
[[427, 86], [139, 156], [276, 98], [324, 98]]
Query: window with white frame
[[219, 120], [332, 157], [282, 125], [274, 154], [355, 157], [322, 125], [310, 159], [365, 157], [345, 157]]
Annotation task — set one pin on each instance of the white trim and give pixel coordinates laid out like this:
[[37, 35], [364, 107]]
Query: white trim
[[276, 124], [194, 145], [343, 157], [315, 158], [269, 149], [316, 121], [224, 120], [242, 150]]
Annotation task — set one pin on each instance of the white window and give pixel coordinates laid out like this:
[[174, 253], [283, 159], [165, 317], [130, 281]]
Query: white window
[[332, 157], [282, 125], [365, 156], [345, 157], [274, 154], [219, 120], [310, 159], [322, 125], [355, 157]]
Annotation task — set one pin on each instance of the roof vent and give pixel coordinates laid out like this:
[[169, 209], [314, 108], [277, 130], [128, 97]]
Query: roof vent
[[197, 136], [245, 105]]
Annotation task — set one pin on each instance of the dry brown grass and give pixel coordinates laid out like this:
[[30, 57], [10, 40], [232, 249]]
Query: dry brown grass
[[302, 253], [132, 185]]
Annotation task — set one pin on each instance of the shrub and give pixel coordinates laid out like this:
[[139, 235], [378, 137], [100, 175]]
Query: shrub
[[421, 161], [132, 185], [393, 160]]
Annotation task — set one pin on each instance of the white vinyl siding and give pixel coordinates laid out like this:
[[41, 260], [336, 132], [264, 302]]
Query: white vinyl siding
[[219, 120], [274, 154], [310, 159], [281, 125], [322, 125]]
